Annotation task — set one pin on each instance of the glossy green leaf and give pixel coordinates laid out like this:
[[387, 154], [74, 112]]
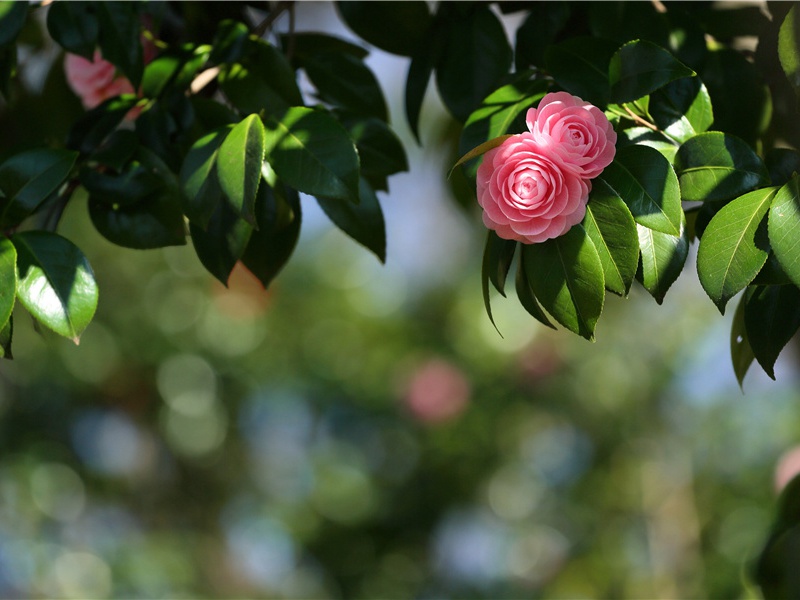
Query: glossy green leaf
[[198, 176], [222, 243], [782, 164], [566, 276], [741, 353], [134, 184], [74, 26], [540, 28], [789, 46], [28, 179], [772, 317], [12, 18], [311, 152], [344, 81], [645, 181], [526, 297], [662, 259], [8, 282], [380, 151], [682, 108], [784, 228], [645, 136], [497, 256], [580, 66], [409, 20], [734, 246], [239, 161], [279, 218], [119, 38], [610, 226], [480, 150], [475, 56], [55, 282], [88, 132], [772, 273], [718, 166], [363, 221], [640, 67]]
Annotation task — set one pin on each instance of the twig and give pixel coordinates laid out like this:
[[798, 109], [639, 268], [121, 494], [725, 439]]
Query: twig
[[279, 9], [636, 118]]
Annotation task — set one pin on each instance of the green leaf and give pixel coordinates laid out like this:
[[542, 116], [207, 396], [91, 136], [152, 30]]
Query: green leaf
[[580, 66], [644, 136], [222, 243], [8, 283], [230, 42], [117, 151], [481, 149], [718, 166], [772, 317], [311, 152], [28, 179], [640, 67], [307, 43], [279, 218], [497, 256], [55, 282], [784, 225], [566, 276], [741, 353], [526, 297], [789, 46], [132, 185], [88, 132], [538, 31], [73, 25], [379, 149], [6, 334], [119, 31], [662, 259], [419, 74], [409, 20], [782, 164], [734, 246], [682, 108], [363, 221], [645, 181], [198, 176], [610, 226], [12, 19], [475, 56], [239, 162]]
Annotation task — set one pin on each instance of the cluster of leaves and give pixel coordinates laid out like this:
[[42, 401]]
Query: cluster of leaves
[[216, 146], [686, 168]]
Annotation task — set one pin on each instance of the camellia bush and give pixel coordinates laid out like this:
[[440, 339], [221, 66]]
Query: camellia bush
[[601, 142]]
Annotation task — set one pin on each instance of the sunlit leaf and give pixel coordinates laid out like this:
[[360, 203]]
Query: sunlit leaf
[[784, 225], [789, 46], [199, 183], [8, 281], [662, 259], [682, 108], [239, 161]]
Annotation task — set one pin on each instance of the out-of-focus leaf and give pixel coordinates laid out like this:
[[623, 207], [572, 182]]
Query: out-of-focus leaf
[[198, 176], [380, 151], [6, 335], [610, 226], [96, 125], [12, 19], [645, 181], [782, 164], [363, 221], [789, 46], [566, 276], [119, 30], [734, 246], [580, 66], [230, 42], [73, 25], [239, 161], [220, 246], [28, 179], [409, 21], [55, 282], [344, 81], [662, 259], [640, 67], [784, 228], [718, 166], [772, 317], [682, 108], [741, 353], [311, 152], [307, 43]]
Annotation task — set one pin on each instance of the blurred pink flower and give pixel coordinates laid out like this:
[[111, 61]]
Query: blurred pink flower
[[787, 468], [437, 391], [94, 81]]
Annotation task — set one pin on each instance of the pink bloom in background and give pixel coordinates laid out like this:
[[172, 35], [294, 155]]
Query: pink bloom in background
[[94, 81], [525, 193], [577, 132], [437, 391], [788, 468], [535, 185]]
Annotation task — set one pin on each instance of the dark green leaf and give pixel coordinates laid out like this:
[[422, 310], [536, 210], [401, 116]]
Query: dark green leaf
[[784, 228], [475, 56], [117, 151], [526, 297], [306, 44], [610, 226], [682, 108], [741, 353], [662, 259], [55, 282], [544, 21], [6, 335], [640, 68], [493, 250], [96, 125], [772, 317], [718, 166], [419, 74], [220, 246], [8, 284], [789, 46], [645, 181], [239, 162], [279, 218], [775, 571], [783, 164], [623, 21], [580, 66], [8, 68], [363, 221], [771, 273], [201, 189], [28, 179], [734, 246], [311, 152], [566, 276], [73, 25], [379, 149], [409, 20], [134, 184], [119, 31], [12, 18]]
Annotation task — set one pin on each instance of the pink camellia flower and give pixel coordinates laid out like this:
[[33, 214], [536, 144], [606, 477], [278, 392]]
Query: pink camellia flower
[[526, 193], [94, 81], [576, 132], [437, 391]]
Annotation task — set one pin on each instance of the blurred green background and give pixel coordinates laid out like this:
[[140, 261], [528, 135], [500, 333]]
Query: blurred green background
[[362, 431]]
